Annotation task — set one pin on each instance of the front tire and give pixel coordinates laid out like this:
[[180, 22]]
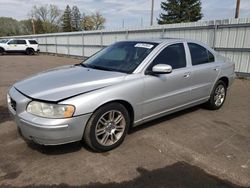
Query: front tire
[[107, 127], [218, 96]]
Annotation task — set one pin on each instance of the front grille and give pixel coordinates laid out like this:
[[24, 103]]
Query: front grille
[[13, 104]]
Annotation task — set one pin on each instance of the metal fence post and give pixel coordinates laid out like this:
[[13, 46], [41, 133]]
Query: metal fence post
[[46, 42], [83, 45], [126, 35], [214, 35], [162, 33], [56, 44], [101, 40], [68, 44]]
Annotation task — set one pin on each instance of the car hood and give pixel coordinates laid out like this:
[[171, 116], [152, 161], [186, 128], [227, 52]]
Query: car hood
[[64, 82]]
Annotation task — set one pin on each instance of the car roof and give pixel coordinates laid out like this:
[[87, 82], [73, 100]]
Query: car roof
[[19, 39], [164, 40], [170, 40]]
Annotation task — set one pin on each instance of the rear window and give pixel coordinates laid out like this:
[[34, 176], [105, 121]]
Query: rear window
[[199, 54], [32, 42]]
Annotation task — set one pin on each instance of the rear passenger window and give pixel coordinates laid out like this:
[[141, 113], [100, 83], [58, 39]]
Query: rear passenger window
[[199, 54], [173, 55], [32, 42], [21, 42]]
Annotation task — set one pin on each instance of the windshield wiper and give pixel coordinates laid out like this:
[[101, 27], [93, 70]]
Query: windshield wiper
[[93, 67], [100, 68], [81, 64]]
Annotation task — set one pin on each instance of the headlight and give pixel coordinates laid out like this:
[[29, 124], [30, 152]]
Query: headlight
[[50, 110], [8, 99]]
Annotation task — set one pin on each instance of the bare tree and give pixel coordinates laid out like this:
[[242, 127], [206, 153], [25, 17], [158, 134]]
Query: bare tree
[[93, 22], [49, 15], [98, 20]]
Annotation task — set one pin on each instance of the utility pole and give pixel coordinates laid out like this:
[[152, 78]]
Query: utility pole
[[237, 10], [152, 12], [33, 26]]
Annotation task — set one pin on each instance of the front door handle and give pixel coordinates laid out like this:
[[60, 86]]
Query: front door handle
[[186, 75], [216, 69]]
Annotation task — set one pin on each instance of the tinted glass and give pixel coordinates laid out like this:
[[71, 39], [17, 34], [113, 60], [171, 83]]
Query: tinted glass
[[121, 56], [21, 42], [210, 57], [173, 55], [199, 54], [32, 42], [13, 42], [4, 40]]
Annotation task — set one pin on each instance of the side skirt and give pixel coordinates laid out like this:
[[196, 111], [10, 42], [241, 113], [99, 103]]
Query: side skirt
[[170, 111]]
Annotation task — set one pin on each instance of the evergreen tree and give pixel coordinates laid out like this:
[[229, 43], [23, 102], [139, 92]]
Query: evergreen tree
[[75, 19], [178, 11], [66, 25]]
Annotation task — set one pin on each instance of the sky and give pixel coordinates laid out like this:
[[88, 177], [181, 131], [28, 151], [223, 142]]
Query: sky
[[129, 13]]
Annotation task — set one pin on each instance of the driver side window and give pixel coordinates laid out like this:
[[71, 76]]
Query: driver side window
[[13, 42], [173, 55]]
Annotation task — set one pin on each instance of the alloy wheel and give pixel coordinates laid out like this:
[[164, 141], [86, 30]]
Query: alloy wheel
[[110, 128], [219, 95]]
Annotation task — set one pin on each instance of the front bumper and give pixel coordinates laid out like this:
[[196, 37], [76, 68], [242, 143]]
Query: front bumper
[[45, 131]]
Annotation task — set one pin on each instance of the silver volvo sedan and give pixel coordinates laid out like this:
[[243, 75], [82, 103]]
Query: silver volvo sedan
[[123, 85]]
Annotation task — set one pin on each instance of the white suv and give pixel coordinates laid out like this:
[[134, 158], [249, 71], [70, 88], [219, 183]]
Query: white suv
[[28, 46]]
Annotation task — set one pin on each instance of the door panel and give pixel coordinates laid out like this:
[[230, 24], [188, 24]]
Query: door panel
[[166, 91], [12, 45], [21, 45], [205, 71], [163, 92], [203, 78]]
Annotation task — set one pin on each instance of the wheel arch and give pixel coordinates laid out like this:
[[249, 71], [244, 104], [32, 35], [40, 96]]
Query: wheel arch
[[225, 80], [126, 104], [30, 48]]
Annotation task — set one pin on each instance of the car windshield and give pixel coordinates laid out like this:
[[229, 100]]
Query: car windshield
[[121, 56]]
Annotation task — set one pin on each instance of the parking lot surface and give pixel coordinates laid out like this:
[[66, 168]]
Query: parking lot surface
[[191, 148]]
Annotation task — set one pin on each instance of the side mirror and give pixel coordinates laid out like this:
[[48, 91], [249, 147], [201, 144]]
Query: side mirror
[[162, 69]]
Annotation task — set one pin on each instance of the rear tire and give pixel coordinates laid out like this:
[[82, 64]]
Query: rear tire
[[107, 127], [1, 51], [217, 97], [30, 51]]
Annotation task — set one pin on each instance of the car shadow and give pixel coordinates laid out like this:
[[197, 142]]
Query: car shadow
[[57, 149], [5, 116], [179, 174], [17, 54]]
